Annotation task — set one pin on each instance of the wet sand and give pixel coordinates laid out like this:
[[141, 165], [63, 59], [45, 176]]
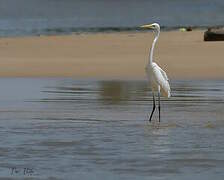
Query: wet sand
[[184, 55]]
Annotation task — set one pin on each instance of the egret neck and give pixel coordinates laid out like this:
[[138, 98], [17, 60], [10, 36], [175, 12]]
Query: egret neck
[[152, 48]]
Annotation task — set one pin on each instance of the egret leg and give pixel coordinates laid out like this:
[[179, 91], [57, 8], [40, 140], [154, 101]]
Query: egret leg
[[159, 102], [154, 107]]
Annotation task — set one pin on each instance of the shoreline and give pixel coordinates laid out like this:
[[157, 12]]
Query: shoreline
[[100, 30], [114, 55]]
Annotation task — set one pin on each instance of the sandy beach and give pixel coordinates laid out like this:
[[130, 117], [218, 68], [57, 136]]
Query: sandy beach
[[111, 55]]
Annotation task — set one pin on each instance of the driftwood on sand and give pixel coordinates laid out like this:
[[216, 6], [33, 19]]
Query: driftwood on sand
[[214, 35]]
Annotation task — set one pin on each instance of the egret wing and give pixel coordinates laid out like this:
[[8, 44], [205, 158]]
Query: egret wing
[[162, 80], [163, 73]]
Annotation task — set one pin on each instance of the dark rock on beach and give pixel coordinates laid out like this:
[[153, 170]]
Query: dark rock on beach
[[214, 34], [189, 28]]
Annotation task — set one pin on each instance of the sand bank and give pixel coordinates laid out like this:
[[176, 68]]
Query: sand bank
[[111, 55]]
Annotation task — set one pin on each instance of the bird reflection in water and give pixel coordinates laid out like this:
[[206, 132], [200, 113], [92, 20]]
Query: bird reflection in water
[[116, 92]]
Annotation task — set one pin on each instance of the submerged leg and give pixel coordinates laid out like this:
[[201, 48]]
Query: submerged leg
[[159, 101], [154, 107]]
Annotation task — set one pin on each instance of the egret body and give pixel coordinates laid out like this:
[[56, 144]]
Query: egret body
[[156, 76]]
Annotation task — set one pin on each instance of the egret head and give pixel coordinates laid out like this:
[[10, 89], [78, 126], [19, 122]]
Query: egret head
[[151, 26]]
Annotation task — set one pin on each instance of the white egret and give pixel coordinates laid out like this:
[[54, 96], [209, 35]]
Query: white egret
[[157, 77]]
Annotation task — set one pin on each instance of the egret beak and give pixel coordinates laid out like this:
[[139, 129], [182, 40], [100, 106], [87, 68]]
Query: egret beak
[[146, 26]]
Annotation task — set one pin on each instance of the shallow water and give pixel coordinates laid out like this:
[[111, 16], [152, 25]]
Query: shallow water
[[70, 129]]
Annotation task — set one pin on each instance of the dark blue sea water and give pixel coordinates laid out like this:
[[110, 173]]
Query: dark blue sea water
[[34, 17]]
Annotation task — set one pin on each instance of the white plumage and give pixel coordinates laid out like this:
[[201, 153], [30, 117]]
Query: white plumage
[[157, 77]]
